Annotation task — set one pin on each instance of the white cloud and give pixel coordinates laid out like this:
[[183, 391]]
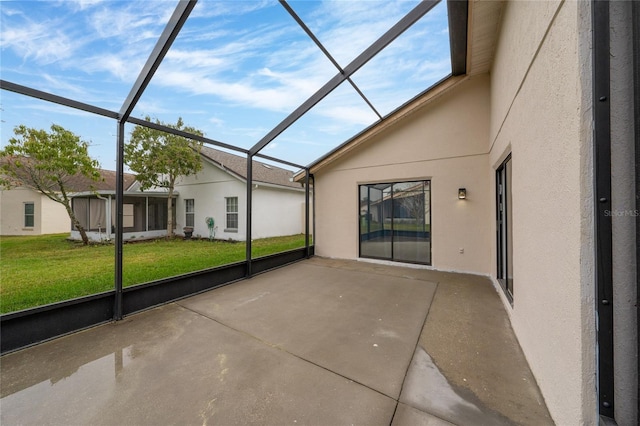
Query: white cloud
[[218, 122], [276, 98], [38, 41], [149, 108], [224, 8], [122, 23], [199, 59], [124, 66], [81, 4], [64, 87]]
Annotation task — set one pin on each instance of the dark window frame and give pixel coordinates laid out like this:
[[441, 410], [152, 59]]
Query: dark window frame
[[31, 215], [189, 214], [230, 214]]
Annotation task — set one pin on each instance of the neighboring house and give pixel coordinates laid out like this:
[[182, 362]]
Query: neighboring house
[[516, 133], [219, 191], [144, 213], [24, 211]]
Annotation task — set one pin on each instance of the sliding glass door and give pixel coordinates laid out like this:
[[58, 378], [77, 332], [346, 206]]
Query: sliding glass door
[[395, 221]]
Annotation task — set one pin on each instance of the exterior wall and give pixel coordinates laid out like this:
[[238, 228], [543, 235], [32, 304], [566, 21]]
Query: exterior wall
[[53, 218], [276, 211], [208, 188], [446, 142], [623, 215], [49, 217], [540, 112]]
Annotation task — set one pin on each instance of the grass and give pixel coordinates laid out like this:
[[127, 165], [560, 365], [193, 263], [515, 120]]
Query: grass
[[37, 270]]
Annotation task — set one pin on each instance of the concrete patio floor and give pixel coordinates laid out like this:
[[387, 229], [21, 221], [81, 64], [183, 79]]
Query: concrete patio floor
[[321, 342]]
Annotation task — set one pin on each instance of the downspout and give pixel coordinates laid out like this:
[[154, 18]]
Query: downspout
[[602, 205]]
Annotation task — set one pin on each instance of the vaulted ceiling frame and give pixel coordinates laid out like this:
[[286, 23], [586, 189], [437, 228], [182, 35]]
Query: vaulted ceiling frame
[[166, 39], [401, 26]]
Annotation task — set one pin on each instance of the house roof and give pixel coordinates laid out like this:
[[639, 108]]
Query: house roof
[[237, 165], [81, 183]]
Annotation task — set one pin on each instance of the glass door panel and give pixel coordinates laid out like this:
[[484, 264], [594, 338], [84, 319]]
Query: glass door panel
[[373, 242], [395, 221], [410, 241]]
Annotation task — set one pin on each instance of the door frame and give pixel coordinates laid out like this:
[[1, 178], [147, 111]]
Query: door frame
[[504, 250]]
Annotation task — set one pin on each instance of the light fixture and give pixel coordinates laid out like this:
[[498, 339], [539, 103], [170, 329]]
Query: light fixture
[[462, 193]]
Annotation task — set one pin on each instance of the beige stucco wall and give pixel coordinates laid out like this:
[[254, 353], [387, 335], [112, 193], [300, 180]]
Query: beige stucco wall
[[49, 217], [446, 142], [623, 216], [54, 218], [540, 103]]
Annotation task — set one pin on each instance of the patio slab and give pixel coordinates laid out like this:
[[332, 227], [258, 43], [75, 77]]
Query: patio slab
[[350, 322], [323, 342], [172, 366]]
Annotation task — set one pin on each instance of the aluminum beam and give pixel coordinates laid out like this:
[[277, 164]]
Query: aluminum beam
[[249, 214], [27, 91], [401, 26], [166, 129], [33, 93], [177, 20], [313, 37], [119, 243], [266, 157]]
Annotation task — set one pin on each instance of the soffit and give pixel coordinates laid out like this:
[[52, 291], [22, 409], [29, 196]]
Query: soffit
[[484, 24]]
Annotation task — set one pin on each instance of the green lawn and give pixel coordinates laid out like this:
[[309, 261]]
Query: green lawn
[[38, 270]]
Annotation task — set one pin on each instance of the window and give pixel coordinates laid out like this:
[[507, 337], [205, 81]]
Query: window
[[504, 227], [127, 215], [189, 212], [232, 214], [29, 215], [395, 221]]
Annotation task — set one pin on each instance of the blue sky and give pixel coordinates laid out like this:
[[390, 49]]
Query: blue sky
[[236, 70]]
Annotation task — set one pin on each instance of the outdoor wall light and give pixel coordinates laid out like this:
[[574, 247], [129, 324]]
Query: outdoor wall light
[[462, 193]]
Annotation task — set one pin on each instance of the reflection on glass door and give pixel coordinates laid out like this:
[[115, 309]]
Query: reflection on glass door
[[395, 221], [504, 227]]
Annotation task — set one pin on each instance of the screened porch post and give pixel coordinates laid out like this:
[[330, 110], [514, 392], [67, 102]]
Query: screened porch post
[[117, 310], [306, 213], [249, 196]]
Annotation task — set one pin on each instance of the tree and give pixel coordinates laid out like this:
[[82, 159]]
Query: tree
[[47, 162], [159, 158]]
